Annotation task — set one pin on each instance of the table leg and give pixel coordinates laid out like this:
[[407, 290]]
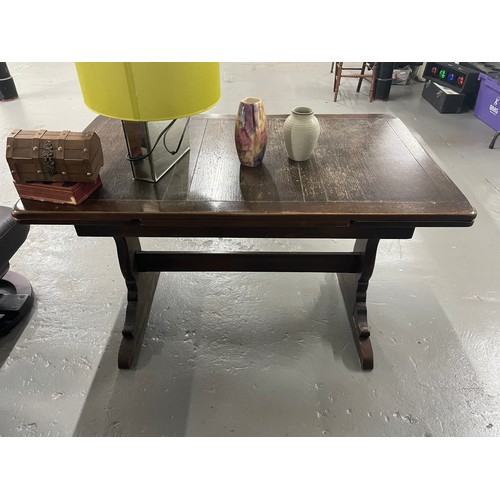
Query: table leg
[[140, 292], [354, 287]]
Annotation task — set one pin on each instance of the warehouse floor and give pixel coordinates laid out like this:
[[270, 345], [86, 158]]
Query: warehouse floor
[[262, 354]]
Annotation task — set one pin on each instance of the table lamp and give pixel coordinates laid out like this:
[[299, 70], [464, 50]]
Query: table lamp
[[144, 95]]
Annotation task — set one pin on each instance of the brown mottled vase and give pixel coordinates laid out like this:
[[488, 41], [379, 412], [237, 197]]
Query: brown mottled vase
[[251, 131]]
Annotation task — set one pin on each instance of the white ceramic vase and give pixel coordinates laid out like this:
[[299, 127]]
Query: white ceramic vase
[[301, 130]]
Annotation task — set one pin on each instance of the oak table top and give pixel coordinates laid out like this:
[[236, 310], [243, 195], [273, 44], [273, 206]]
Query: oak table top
[[365, 169]]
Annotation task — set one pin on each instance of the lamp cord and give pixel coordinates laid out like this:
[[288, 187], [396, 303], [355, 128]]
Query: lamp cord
[[163, 134]]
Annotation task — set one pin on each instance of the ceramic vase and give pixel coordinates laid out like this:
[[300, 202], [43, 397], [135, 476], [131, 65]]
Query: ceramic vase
[[301, 130], [251, 131]]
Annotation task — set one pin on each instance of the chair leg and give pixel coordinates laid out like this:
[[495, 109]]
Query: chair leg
[[361, 77], [372, 84], [338, 76]]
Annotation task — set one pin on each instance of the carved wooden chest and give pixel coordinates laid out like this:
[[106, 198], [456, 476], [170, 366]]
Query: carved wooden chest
[[54, 156]]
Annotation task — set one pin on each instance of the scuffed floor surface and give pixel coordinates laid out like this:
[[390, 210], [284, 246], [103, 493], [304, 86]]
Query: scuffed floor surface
[[263, 354]]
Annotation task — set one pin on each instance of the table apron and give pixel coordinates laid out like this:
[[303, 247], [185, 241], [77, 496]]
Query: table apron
[[352, 232]]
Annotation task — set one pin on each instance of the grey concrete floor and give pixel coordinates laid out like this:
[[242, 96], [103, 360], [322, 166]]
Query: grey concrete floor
[[262, 354]]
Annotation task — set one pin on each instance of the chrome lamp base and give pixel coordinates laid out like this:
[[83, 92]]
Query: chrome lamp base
[[150, 156]]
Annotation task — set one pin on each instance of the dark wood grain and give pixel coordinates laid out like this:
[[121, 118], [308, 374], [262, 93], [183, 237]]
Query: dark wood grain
[[366, 169]]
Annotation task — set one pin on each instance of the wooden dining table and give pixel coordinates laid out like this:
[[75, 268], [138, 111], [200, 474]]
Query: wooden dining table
[[368, 179]]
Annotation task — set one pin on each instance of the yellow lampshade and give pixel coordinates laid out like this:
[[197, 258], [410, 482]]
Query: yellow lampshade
[[143, 91]]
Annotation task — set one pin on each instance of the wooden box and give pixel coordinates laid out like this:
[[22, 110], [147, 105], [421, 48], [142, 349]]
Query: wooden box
[[62, 156]]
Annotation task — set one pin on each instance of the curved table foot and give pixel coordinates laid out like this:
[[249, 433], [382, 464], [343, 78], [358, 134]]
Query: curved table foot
[[141, 289], [136, 319], [354, 287]]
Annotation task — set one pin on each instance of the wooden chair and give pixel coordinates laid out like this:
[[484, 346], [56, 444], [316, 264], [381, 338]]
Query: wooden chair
[[346, 72]]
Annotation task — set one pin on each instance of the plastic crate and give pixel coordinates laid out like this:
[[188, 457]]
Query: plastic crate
[[487, 107]]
